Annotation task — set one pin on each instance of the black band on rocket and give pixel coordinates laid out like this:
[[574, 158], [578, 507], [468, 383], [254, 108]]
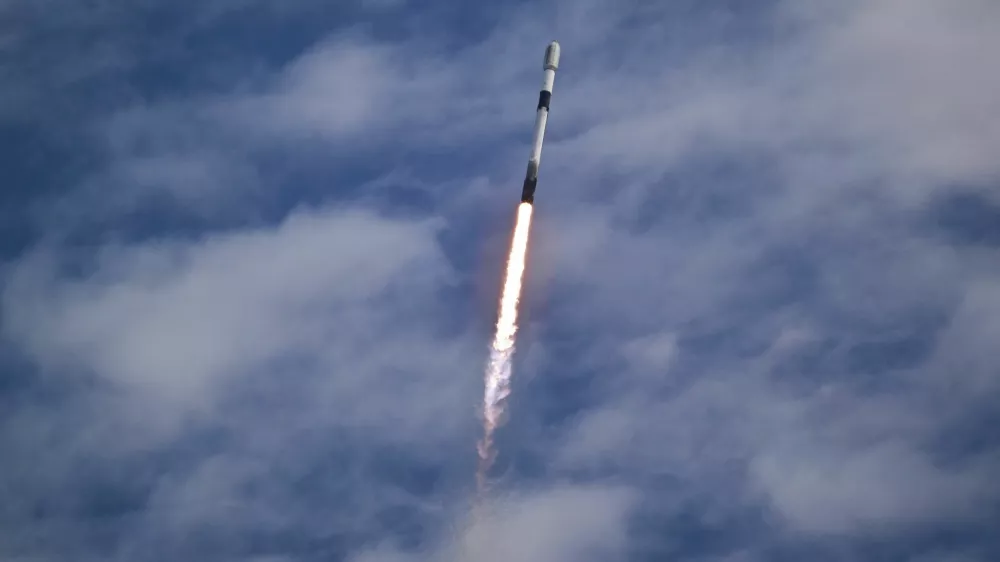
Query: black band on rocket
[[530, 182], [544, 97], [528, 190]]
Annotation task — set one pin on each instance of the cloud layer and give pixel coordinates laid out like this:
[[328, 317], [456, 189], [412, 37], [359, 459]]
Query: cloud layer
[[760, 304]]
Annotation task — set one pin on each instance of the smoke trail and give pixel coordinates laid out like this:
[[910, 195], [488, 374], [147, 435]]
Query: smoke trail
[[498, 370]]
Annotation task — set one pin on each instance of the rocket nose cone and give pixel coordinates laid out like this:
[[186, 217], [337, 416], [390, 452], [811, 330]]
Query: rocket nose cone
[[552, 56]]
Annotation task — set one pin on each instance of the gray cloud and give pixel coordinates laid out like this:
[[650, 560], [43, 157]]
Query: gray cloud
[[565, 523]]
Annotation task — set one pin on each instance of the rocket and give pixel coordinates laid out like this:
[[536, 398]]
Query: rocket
[[541, 116]]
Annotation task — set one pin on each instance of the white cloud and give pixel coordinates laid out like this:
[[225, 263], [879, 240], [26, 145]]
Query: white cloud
[[888, 92], [175, 319], [914, 76], [561, 524], [722, 304], [335, 89], [876, 490]]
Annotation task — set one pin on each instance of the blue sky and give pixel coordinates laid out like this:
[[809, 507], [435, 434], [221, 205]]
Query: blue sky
[[251, 253]]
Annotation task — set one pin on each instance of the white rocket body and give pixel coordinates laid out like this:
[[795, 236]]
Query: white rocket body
[[541, 118]]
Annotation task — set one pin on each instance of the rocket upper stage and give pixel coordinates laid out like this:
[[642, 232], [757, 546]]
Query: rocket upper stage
[[552, 56], [550, 65]]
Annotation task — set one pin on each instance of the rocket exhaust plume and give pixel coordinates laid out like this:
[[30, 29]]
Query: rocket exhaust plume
[[498, 369]]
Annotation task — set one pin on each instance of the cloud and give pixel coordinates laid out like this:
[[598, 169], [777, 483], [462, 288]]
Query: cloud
[[863, 491], [882, 92], [744, 326], [566, 523], [327, 328], [176, 319], [922, 90], [336, 90], [561, 524]]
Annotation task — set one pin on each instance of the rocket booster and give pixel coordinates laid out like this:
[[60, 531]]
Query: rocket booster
[[541, 116]]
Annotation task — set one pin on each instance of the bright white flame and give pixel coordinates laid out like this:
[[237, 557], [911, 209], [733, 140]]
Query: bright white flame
[[498, 369]]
